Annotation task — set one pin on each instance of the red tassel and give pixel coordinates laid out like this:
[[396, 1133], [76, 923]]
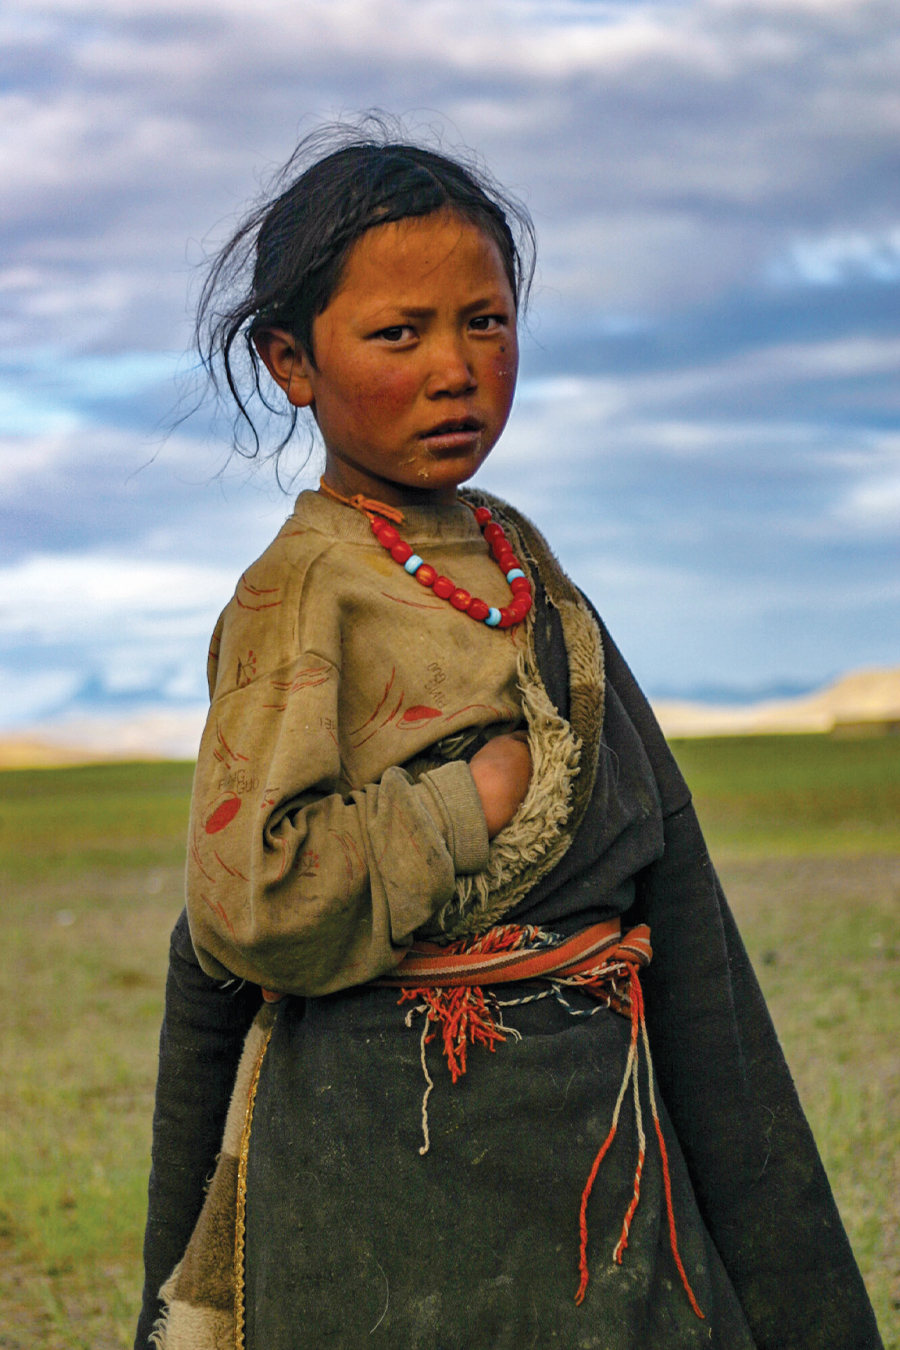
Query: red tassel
[[638, 1024]]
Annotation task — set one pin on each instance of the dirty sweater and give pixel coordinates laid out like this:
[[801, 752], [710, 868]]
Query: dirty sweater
[[313, 856]]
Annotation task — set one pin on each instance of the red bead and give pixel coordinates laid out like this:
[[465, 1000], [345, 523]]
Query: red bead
[[460, 599], [482, 515], [388, 536], [493, 531], [524, 603], [520, 585], [426, 575], [507, 619], [401, 551], [377, 524], [444, 588], [478, 610], [507, 561]]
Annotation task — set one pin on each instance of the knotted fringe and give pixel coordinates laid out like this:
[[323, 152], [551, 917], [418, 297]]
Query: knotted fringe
[[598, 961], [464, 1013]]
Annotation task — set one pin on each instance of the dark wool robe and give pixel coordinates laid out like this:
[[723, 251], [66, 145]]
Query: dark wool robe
[[354, 1239]]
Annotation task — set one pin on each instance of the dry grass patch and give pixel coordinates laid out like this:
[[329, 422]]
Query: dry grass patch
[[824, 937]]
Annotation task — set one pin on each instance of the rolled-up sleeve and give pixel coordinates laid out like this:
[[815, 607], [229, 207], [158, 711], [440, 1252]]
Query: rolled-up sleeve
[[294, 884]]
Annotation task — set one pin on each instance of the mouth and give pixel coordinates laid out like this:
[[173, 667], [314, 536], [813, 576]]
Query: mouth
[[455, 433]]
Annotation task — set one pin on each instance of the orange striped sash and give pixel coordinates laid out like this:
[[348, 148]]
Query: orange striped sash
[[480, 962]]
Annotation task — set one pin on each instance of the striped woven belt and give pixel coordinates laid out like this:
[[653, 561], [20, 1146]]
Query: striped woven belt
[[492, 959]]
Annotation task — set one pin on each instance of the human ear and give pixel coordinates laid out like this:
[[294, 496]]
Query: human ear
[[287, 363]]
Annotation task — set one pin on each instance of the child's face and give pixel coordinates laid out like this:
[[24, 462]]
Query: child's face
[[416, 360]]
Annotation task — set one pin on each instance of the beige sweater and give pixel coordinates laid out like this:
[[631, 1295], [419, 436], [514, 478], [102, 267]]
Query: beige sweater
[[313, 857]]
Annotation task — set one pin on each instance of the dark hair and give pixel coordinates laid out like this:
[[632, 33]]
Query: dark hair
[[284, 263]]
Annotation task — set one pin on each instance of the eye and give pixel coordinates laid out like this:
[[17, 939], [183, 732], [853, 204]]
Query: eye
[[398, 332], [488, 323]]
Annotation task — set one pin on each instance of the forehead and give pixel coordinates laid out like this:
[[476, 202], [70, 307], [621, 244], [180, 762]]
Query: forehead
[[408, 260]]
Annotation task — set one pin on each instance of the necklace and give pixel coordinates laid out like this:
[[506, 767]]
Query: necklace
[[380, 515]]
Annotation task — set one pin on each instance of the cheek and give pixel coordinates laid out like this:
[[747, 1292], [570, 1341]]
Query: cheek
[[500, 375], [377, 399]]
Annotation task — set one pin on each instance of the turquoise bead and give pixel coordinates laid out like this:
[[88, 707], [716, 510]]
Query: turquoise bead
[[515, 572], [413, 564], [493, 617]]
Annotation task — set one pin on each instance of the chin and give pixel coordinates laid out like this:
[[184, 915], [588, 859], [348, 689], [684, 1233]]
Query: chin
[[450, 473]]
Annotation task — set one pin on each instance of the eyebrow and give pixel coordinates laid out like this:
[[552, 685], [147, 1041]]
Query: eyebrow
[[425, 311]]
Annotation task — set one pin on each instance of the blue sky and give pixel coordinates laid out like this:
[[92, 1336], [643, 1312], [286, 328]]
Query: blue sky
[[708, 421]]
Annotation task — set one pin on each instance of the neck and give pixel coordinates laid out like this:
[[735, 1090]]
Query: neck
[[349, 482]]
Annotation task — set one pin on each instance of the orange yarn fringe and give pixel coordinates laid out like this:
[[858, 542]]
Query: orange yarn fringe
[[463, 1013], [466, 1016]]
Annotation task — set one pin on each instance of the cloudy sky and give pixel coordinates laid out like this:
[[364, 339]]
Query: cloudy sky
[[708, 421]]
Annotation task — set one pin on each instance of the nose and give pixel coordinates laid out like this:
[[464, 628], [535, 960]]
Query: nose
[[452, 373]]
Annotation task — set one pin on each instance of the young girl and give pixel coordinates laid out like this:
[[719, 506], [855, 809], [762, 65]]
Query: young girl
[[433, 817]]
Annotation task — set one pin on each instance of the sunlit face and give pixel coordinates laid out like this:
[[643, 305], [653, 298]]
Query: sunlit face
[[415, 360]]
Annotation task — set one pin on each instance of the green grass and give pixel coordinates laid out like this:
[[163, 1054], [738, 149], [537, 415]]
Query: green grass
[[795, 795], [91, 866], [803, 829], [57, 823]]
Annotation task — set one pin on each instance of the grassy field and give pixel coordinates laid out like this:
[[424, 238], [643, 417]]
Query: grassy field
[[795, 796], [804, 830]]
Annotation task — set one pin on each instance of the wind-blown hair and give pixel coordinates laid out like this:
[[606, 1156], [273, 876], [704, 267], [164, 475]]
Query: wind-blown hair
[[284, 263]]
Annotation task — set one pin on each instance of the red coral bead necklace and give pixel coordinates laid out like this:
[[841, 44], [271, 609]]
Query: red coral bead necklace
[[380, 516]]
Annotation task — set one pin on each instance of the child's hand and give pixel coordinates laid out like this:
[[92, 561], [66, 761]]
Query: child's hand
[[502, 772]]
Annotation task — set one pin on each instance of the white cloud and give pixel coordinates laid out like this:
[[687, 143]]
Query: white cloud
[[153, 732], [872, 501], [81, 599], [838, 259], [876, 503], [23, 697]]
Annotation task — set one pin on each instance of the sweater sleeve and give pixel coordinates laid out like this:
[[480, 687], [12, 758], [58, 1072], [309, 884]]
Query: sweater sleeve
[[294, 884], [199, 1047]]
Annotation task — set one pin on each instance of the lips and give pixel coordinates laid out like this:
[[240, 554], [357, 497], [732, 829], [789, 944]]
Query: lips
[[455, 426]]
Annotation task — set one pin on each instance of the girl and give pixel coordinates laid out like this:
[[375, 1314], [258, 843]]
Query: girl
[[433, 817]]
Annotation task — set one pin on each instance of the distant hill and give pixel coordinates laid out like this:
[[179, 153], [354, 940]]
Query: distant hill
[[865, 702]]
